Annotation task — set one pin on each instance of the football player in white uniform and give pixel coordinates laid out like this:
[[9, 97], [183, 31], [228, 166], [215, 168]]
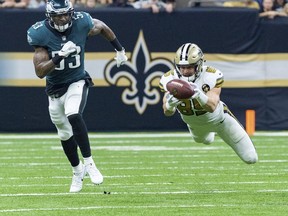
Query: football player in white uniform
[[204, 113]]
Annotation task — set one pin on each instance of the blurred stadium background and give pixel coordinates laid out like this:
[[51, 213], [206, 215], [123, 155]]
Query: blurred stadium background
[[251, 52]]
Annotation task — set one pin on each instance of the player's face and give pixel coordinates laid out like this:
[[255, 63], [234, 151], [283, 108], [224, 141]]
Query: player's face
[[62, 19], [187, 71]]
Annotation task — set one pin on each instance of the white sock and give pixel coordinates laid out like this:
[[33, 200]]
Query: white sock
[[78, 168], [88, 160]]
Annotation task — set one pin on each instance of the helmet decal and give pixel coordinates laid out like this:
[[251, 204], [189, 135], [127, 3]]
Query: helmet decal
[[189, 54], [184, 52]]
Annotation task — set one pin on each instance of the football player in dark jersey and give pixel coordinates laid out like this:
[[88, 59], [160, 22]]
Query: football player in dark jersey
[[59, 44]]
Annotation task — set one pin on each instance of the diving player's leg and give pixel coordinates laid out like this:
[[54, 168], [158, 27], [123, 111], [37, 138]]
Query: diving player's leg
[[232, 133], [74, 106], [200, 135]]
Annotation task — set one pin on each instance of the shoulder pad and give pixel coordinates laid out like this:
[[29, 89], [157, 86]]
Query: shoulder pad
[[83, 19], [37, 34], [213, 77], [165, 78], [210, 69]]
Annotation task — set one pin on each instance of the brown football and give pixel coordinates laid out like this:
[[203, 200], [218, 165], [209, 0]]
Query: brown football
[[180, 89]]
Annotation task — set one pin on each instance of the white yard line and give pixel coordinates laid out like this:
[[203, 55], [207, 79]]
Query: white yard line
[[136, 185], [129, 207], [155, 175], [146, 193]]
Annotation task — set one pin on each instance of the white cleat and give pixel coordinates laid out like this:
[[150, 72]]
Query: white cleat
[[77, 180], [94, 174]]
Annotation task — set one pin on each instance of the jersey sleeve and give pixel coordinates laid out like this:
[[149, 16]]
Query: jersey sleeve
[[165, 78], [36, 35], [86, 21], [213, 77]]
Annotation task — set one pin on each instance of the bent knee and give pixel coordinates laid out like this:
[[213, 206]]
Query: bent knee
[[64, 135], [64, 131], [250, 158], [205, 140]]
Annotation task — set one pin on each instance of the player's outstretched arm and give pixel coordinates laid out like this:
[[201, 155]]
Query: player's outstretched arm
[[101, 28], [208, 101]]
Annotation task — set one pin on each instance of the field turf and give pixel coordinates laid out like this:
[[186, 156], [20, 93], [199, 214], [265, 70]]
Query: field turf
[[153, 174]]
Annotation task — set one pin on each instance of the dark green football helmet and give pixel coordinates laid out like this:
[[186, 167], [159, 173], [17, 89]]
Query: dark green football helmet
[[56, 8]]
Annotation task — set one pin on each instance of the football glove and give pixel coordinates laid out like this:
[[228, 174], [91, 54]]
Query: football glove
[[121, 57], [199, 95], [67, 49], [171, 102]]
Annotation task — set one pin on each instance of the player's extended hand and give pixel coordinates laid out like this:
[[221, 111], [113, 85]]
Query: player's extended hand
[[196, 90], [171, 102], [121, 57], [199, 95], [67, 49]]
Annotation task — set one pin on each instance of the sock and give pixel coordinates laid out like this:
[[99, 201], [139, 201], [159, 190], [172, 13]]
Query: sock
[[78, 168], [88, 160], [80, 134], [70, 149]]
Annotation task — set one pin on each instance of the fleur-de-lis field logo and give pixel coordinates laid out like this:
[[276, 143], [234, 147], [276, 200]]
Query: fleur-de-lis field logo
[[141, 72]]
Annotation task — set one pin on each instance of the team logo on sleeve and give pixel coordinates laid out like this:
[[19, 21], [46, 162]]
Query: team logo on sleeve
[[205, 88], [141, 75]]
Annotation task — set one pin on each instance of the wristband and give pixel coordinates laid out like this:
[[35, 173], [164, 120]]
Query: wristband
[[116, 44], [202, 99], [57, 59]]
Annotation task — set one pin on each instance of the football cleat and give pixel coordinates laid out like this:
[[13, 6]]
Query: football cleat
[[77, 180], [94, 174]]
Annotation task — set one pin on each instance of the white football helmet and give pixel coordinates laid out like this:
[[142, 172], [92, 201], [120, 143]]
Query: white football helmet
[[189, 54], [59, 7]]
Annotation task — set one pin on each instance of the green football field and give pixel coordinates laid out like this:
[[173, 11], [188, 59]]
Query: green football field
[[151, 174]]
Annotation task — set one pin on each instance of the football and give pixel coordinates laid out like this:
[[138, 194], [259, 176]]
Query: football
[[180, 89]]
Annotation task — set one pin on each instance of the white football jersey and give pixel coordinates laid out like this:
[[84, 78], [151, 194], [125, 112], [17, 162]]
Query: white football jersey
[[190, 110], [203, 125]]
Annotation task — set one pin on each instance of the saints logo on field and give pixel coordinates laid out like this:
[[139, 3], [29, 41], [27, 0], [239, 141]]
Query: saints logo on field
[[140, 76]]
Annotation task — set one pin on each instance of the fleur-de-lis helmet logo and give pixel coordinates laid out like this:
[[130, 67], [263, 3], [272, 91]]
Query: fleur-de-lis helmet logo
[[142, 74]]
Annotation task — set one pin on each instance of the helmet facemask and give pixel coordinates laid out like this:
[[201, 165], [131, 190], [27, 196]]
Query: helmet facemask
[[189, 55], [56, 8]]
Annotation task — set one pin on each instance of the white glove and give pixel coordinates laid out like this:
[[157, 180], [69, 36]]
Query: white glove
[[171, 102], [67, 49], [196, 90], [121, 57], [199, 95]]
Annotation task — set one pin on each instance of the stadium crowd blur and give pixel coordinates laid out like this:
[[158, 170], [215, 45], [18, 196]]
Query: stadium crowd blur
[[267, 8]]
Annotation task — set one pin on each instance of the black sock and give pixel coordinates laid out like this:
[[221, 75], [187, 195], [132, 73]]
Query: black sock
[[80, 133], [70, 149]]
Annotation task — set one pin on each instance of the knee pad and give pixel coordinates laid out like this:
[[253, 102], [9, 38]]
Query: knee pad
[[209, 139], [57, 117], [64, 131], [61, 123]]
